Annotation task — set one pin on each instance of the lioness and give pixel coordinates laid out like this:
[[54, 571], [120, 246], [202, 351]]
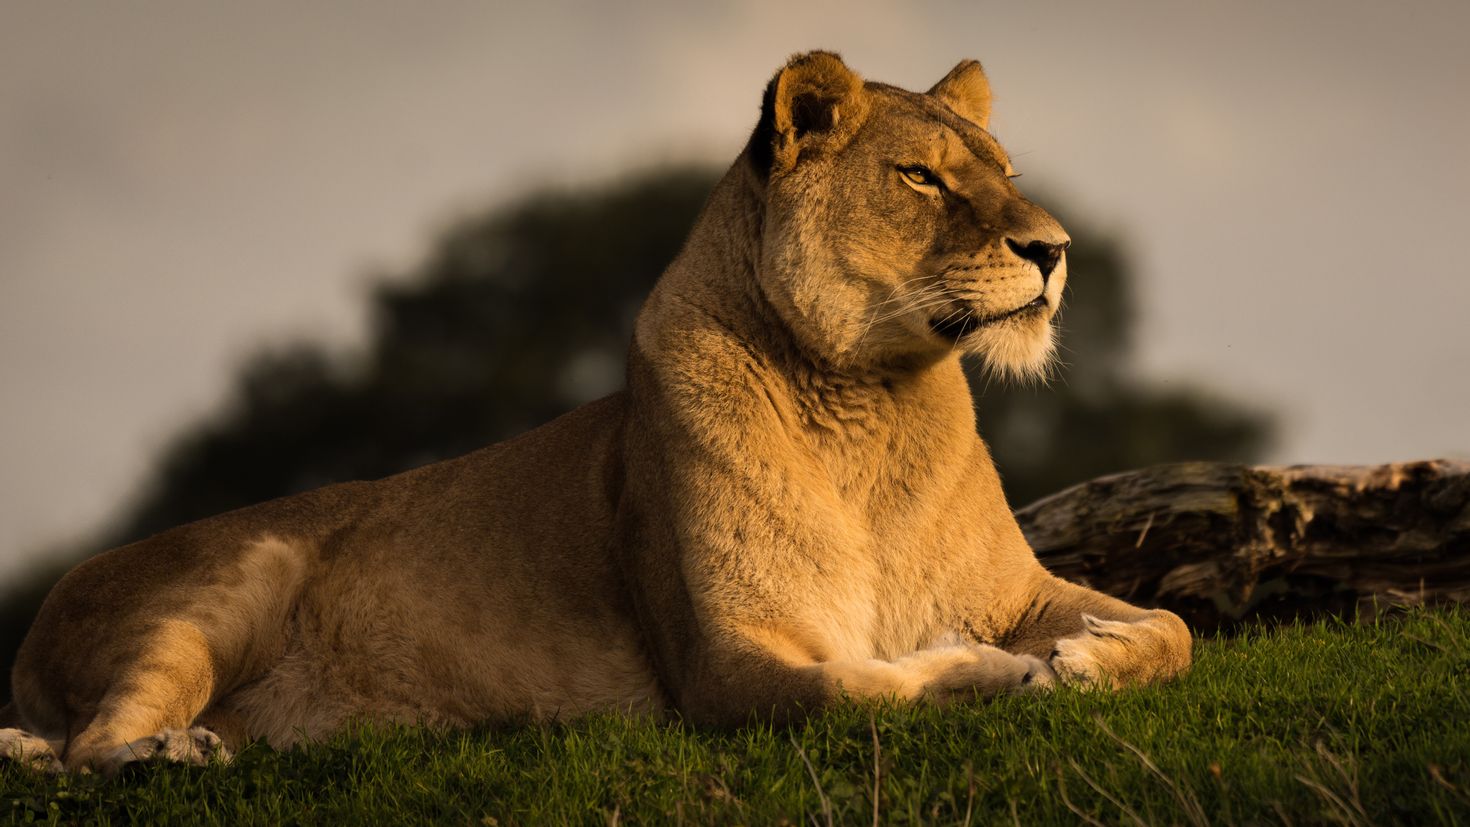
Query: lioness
[[788, 504]]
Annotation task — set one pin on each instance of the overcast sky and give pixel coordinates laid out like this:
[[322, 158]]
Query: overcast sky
[[181, 182]]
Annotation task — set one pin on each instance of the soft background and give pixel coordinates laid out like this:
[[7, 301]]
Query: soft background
[[180, 183]]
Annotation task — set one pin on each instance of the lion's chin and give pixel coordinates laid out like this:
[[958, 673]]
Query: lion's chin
[[1022, 348]]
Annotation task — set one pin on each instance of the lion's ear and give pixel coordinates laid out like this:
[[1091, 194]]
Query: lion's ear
[[966, 90], [814, 101]]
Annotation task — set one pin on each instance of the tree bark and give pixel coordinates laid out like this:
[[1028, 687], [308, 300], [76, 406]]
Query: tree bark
[[1224, 543]]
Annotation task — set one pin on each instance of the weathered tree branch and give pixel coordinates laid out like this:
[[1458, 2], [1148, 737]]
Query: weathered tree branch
[[1221, 543]]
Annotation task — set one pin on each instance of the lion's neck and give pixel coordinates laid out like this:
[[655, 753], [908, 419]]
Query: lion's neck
[[849, 410], [716, 271]]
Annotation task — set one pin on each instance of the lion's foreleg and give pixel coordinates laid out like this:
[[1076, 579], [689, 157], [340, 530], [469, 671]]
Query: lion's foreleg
[[1088, 637], [939, 674], [745, 683]]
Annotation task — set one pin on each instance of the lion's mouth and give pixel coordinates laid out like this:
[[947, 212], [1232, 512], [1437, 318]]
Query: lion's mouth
[[961, 323]]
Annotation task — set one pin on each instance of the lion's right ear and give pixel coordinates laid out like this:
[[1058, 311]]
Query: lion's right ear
[[814, 102], [966, 90]]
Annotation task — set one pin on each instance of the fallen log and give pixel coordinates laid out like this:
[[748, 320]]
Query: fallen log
[[1221, 543]]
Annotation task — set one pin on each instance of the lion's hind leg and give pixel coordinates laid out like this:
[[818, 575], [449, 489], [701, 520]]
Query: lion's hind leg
[[131, 672], [147, 711]]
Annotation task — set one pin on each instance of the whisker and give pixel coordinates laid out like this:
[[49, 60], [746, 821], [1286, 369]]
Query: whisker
[[934, 301], [920, 299]]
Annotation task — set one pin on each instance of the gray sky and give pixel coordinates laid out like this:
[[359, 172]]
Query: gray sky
[[180, 182]]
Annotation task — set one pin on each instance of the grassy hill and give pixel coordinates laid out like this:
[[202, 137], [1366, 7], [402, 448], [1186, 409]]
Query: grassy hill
[[1308, 724]]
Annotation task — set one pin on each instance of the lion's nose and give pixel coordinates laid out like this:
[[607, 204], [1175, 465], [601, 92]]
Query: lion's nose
[[1043, 254]]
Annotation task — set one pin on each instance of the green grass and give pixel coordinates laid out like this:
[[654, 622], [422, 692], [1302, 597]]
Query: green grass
[[1365, 724]]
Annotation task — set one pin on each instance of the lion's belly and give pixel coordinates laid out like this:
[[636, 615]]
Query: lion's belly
[[388, 649], [487, 593]]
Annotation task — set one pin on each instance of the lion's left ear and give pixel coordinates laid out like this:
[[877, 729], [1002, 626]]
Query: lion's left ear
[[814, 103], [966, 90]]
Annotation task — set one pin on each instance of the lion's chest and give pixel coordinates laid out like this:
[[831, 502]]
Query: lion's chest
[[869, 488], [899, 543]]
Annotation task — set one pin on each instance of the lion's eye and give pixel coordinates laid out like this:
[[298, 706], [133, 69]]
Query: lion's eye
[[919, 176]]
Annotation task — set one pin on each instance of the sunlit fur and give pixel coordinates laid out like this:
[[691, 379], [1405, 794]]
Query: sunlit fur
[[865, 261], [1024, 349], [789, 504]]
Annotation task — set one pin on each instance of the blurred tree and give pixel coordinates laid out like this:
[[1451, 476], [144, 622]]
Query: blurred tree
[[522, 313], [1096, 416]]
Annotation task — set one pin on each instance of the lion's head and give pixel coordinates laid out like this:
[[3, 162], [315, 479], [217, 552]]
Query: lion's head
[[893, 229]]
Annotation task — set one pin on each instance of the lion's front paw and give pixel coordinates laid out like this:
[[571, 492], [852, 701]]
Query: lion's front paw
[[1039, 674], [954, 673], [1100, 655]]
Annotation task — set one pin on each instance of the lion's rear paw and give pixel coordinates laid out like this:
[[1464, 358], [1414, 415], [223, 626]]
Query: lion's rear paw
[[28, 750], [196, 746]]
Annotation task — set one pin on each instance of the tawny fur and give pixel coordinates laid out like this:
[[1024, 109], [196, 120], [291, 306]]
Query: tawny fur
[[788, 503]]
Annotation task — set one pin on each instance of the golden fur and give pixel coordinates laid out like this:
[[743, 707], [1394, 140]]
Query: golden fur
[[789, 501]]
